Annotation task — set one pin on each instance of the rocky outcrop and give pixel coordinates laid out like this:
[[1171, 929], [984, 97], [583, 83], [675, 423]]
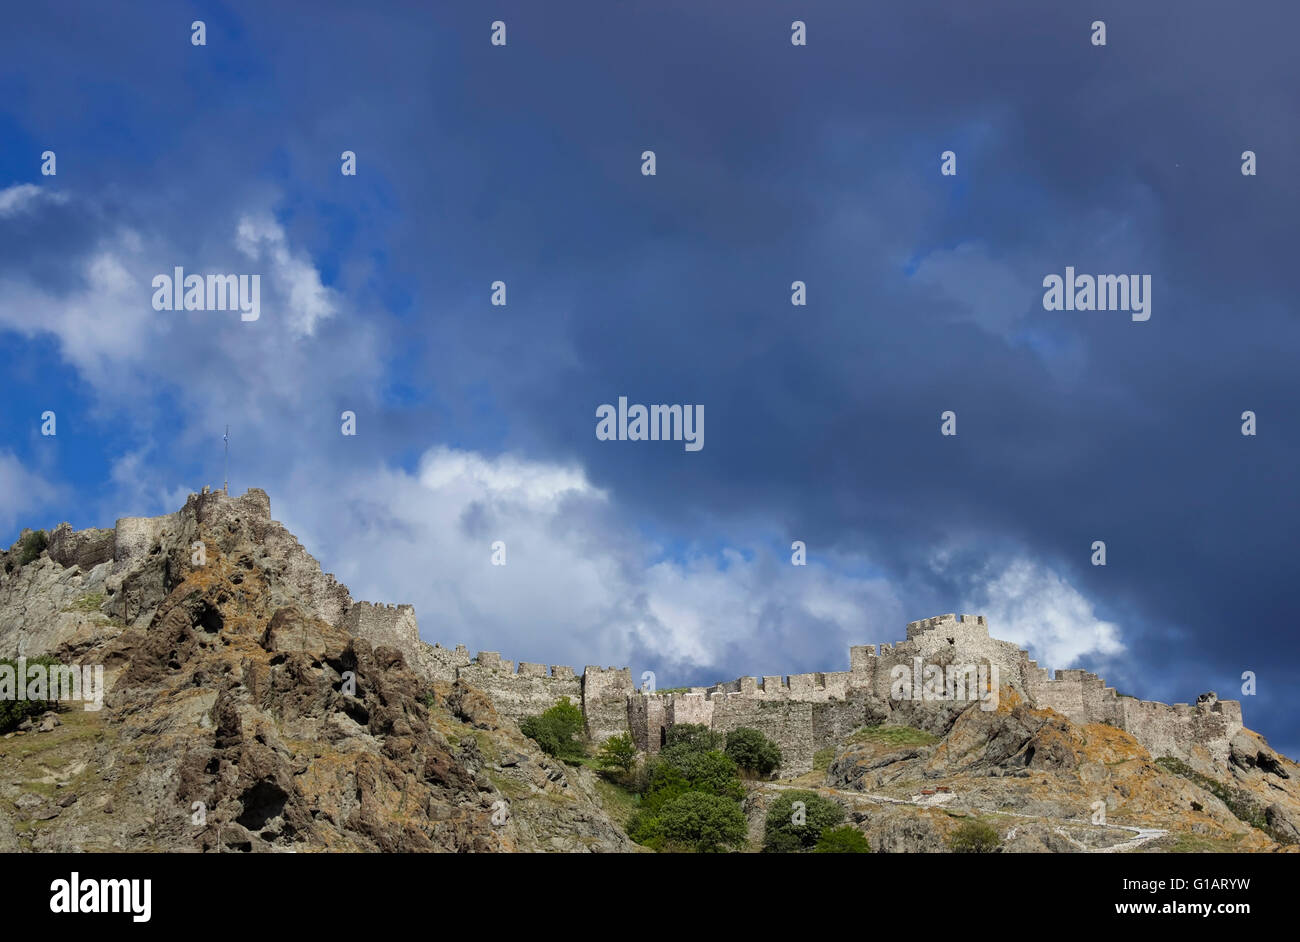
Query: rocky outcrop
[[1047, 785], [239, 718]]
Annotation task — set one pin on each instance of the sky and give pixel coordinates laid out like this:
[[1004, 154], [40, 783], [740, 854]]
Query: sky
[[774, 163]]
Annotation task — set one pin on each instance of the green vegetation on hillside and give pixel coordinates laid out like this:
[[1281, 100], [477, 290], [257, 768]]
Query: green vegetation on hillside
[[557, 731], [690, 795], [1239, 801], [845, 839], [752, 751], [974, 837], [892, 736], [31, 546], [796, 821]]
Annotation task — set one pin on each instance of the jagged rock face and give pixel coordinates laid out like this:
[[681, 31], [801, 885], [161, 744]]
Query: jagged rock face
[[1043, 781], [238, 719]]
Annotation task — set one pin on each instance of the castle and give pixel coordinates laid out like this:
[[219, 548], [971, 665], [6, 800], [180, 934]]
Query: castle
[[801, 713]]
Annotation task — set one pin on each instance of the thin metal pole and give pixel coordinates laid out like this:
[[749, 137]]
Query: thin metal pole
[[225, 486]]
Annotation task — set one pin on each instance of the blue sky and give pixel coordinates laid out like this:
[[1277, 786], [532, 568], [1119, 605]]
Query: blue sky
[[774, 163]]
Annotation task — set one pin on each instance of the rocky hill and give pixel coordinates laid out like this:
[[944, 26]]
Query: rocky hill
[[1046, 785], [249, 704], [237, 718]]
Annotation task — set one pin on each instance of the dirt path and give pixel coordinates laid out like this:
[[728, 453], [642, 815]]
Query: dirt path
[[1144, 835]]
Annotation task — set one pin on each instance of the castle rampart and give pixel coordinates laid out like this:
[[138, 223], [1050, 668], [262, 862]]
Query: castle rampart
[[800, 712], [805, 712]]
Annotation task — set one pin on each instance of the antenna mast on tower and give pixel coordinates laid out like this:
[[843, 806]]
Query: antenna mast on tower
[[225, 486]]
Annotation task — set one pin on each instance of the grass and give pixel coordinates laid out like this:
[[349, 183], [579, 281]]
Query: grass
[[1193, 844], [92, 602], [892, 736], [823, 758], [508, 786], [619, 803]]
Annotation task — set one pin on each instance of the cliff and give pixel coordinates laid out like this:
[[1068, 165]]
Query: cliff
[[240, 713]]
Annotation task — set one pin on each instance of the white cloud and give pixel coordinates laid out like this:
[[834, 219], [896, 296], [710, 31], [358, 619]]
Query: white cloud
[[577, 588], [268, 375], [23, 197], [1034, 607], [308, 301]]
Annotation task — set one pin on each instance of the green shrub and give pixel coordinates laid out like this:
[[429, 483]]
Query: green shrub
[[557, 731], [711, 772], [783, 834], [12, 710], [752, 751], [702, 822], [974, 837], [31, 546], [696, 737], [845, 839], [617, 753], [823, 758]]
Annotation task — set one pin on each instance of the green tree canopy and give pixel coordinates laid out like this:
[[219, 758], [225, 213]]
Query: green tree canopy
[[557, 731], [703, 822], [845, 839], [752, 751], [791, 828]]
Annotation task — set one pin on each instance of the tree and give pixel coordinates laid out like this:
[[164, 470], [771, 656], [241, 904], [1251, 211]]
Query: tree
[[711, 772], [618, 752], [695, 737], [789, 828], [706, 823], [845, 839], [557, 731], [31, 546], [752, 751], [974, 837]]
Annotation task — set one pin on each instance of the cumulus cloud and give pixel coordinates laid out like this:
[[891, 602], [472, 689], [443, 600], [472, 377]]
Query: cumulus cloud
[[307, 300], [23, 197], [578, 586], [1033, 606], [206, 365]]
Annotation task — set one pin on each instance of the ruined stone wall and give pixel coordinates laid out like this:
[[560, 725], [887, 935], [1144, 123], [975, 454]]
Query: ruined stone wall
[[1194, 733], [524, 691], [135, 537], [788, 723], [605, 697], [801, 712], [647, 721], [84, 549]]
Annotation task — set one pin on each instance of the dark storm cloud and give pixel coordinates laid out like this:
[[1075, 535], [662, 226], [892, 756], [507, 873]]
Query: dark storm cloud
[[819, 164]]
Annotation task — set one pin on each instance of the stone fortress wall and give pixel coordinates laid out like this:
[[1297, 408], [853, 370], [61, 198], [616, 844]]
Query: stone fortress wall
[[802, 713]]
